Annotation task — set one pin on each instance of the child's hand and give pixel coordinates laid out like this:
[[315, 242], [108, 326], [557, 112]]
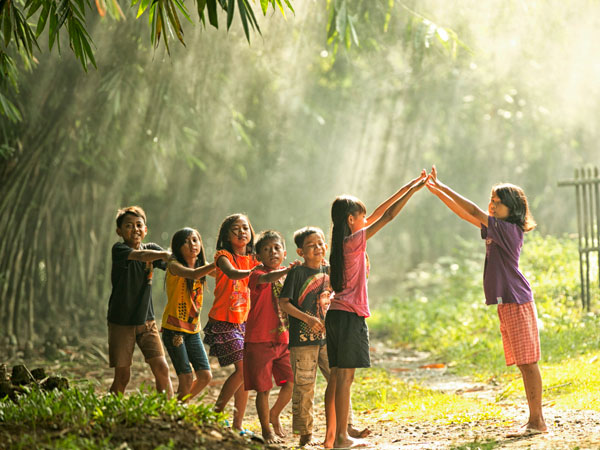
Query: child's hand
[[432, 181], [166, 256], [315, 324], [295, 263]]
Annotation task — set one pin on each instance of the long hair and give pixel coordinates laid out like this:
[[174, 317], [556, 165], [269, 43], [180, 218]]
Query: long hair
[[342, 207], [515, 200], [177, 241], [223, 242]]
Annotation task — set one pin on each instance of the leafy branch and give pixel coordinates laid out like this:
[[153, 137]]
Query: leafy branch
[[22, 22]]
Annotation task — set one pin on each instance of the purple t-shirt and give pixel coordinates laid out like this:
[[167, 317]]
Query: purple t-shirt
[[503, 282], [354, 296]]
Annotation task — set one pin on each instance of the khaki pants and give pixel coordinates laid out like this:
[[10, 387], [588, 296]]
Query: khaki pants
[[305, 360]]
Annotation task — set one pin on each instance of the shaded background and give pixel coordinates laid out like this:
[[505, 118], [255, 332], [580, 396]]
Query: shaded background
[[488, 91]]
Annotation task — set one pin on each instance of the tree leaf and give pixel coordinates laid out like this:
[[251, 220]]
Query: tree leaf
[[212, 13], [9, 110], [7, 25], [230, 11], [143, 6], [42, 19], [242, 10], [264, 4]]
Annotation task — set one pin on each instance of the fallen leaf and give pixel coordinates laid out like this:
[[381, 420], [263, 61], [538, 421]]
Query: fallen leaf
[[433, 366]]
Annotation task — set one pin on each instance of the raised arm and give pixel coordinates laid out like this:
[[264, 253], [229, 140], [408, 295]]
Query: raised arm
[[454, 206], [461, 206], [381, 209], [395, 207], [231, 272], [176, 268]]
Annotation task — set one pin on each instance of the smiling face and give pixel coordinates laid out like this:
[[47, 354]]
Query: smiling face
[[271, 253], [239, 235], [498, 209], [313, 250], [133, 230]]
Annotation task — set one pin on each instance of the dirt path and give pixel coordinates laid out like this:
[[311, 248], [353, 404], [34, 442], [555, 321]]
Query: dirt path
[[570, 429]]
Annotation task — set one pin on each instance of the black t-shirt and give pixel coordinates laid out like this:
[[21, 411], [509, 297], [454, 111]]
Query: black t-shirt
[[131, 297], [304, 287]]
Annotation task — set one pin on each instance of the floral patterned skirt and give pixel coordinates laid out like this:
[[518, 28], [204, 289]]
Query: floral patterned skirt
[[226, 341]]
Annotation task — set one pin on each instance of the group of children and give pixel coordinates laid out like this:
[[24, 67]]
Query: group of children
[[282, 323]]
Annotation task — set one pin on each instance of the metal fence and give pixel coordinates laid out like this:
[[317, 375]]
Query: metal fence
[[587, 188]]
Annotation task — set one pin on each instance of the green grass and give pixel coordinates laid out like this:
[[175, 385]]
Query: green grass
[[79, 418], [443, 312], [401, 400]]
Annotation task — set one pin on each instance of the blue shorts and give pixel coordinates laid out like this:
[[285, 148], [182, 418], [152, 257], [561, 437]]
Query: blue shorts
[[185, 349]]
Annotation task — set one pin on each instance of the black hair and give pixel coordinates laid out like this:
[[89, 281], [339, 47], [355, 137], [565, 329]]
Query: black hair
[[223, 242], [515, 200], [177, 241], [301, 234], [136, 211], [342, 207], [266, 236]]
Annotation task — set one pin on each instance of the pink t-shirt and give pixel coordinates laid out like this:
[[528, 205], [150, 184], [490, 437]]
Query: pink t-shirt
[[354, 296]]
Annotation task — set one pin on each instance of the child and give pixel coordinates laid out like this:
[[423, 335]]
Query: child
[[503, 227], [305, 297], [186, 276], [266, 353], [347, 332], [224, 332], [130, 310]]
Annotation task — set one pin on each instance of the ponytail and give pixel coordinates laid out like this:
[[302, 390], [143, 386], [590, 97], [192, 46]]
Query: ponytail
[[342, 207]]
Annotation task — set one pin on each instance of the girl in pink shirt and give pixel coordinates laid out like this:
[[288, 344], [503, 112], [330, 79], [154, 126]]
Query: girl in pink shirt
[[346, 329]]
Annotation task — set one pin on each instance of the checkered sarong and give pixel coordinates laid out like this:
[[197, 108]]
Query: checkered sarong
[[520, 337]]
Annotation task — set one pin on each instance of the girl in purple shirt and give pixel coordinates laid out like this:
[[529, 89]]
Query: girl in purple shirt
[[346, 329], [503, 226]]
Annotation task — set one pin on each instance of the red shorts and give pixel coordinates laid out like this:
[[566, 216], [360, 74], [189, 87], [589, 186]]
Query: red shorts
[[520, 337], [263, 360]]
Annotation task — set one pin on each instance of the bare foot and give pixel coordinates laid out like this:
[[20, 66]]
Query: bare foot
[[277, 428], [349, 443], [270, 438], [537, 426], [306, 439], [528, 430], [356, 433]]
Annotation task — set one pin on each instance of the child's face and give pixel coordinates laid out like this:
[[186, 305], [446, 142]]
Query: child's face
[[271, 254], [191, 248], [497, 209], [133, 230], [240, 234], [357, 221], [313, 249]]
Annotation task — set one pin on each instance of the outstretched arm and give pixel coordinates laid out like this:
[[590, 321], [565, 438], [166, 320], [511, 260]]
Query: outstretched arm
[[396, 206], [176, 268], [275, 275], [149, 255], [231, 272], [381, 209], [461, 206]]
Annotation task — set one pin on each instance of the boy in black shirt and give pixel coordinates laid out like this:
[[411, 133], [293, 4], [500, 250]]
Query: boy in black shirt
[[130, 311]]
